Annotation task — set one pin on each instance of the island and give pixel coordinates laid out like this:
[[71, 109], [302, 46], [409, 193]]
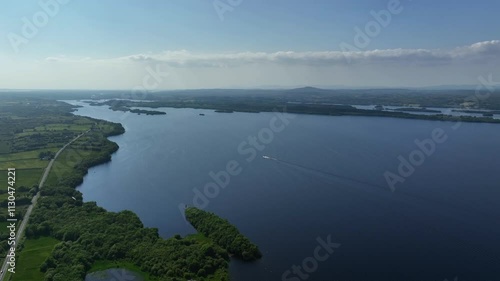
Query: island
[[417, 109], [147, 112], [121, 105]]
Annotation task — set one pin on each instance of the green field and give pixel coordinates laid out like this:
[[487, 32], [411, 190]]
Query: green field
[[62, 127], [50, 128], [24, 177], [25, 155], [24, 164], [64, 166], [28, 128], [31, 257]]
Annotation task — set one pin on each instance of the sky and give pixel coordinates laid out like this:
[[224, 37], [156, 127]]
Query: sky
[[193, 44]]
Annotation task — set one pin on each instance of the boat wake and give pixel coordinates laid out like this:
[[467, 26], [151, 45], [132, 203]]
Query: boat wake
[[310, 169], [270, 158]]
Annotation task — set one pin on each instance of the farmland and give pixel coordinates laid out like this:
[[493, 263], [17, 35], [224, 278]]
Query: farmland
[[31, 132]]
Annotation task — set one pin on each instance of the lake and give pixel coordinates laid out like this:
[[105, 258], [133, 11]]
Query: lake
[[322, 180], [113, 275]]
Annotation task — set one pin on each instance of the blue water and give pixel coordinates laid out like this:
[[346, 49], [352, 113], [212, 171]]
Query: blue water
[[113, 275], [441, 223]]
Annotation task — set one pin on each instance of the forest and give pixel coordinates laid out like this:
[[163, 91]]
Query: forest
[[223, 233], [85, 233]]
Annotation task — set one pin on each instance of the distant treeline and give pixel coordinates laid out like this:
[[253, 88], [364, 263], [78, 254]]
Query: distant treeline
[[121, 105], [486, 98], [317, 105]]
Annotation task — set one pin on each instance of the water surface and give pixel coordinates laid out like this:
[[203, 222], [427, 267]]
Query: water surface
[[442, 222]]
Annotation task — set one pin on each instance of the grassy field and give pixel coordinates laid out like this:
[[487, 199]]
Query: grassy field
[[25, 155], [24, 177], [51, 128], [24, 164], [29, 169], [28, 128], [200, 238], [61, 127], [31, 257], [65, 163]]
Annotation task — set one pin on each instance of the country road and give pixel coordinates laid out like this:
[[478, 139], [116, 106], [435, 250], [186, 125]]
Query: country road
[[20, 228]]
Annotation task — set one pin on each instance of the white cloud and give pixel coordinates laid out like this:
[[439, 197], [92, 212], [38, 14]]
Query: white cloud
[[476, 52], [389, 67]]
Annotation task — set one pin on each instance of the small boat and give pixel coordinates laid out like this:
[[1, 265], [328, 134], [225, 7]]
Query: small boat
[[269, 157]]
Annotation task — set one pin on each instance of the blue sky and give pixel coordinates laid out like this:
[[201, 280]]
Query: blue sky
[[96, 44]]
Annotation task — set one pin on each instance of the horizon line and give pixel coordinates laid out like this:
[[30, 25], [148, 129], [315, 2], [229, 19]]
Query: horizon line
[[276, 88]]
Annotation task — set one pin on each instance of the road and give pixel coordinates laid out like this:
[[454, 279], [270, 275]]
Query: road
[[20, 228]]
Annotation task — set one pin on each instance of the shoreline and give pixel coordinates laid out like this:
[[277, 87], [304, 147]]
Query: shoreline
[[308, 109]]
